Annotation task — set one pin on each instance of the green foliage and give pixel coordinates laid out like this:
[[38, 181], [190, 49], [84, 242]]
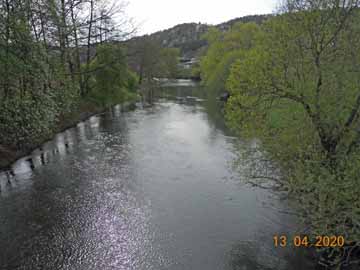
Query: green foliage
[[168, 62], [196, 71], [279, 89], [223, 50], [27, 120], [294, 85], [112, 82], [151, 60], [43, 73]]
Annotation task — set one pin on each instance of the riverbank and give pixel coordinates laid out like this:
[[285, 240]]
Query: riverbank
[[8, 155]]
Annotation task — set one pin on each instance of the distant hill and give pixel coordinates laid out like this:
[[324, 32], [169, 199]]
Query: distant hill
[[188, 36]]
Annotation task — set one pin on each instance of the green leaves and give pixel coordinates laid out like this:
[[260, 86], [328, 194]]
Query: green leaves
[[111, 79], [224, 50], [27, 121], [294, 84], [168, 62]]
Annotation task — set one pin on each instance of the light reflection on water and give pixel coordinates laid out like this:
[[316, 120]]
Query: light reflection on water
[[150, 189]]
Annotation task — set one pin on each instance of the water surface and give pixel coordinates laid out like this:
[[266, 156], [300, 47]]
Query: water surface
[[149, 189]]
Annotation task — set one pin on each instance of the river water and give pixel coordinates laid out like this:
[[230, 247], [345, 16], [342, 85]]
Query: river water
[[150, 189]]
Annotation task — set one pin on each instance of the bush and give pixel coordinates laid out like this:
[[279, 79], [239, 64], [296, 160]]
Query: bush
[[28, 120]]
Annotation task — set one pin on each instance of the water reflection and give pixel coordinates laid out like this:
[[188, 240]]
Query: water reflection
[[150, 189], [60, 144], [94, 125], [23, 167], [117, 111], [178, 83], [81, 131], [248, 255]]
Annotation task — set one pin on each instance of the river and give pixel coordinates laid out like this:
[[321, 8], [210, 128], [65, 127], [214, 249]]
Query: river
[[154, 188]]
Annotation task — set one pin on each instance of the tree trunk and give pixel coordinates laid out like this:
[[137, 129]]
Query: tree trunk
[[77, 53], [88, 56]]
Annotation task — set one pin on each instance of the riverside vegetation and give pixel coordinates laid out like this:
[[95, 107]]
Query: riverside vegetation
[[293, 79], [61, 61], [294, 85]]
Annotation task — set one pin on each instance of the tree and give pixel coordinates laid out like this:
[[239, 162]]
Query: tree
[[223, 51], [112, 80], [309, 60], [46, 51], [297, 90], [151, 61], [168, 63]]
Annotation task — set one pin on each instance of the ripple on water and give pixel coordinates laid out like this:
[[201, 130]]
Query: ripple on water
[[151, 189]]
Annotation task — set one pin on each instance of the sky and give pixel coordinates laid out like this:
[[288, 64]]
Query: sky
[[155, 15]]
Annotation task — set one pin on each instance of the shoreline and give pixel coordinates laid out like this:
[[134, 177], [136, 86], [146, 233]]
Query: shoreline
[[8, 155]]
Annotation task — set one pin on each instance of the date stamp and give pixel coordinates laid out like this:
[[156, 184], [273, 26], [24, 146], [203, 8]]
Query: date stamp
[[305, 241]]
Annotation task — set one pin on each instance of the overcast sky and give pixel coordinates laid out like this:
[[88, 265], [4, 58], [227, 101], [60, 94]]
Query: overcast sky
[[155, 15]]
